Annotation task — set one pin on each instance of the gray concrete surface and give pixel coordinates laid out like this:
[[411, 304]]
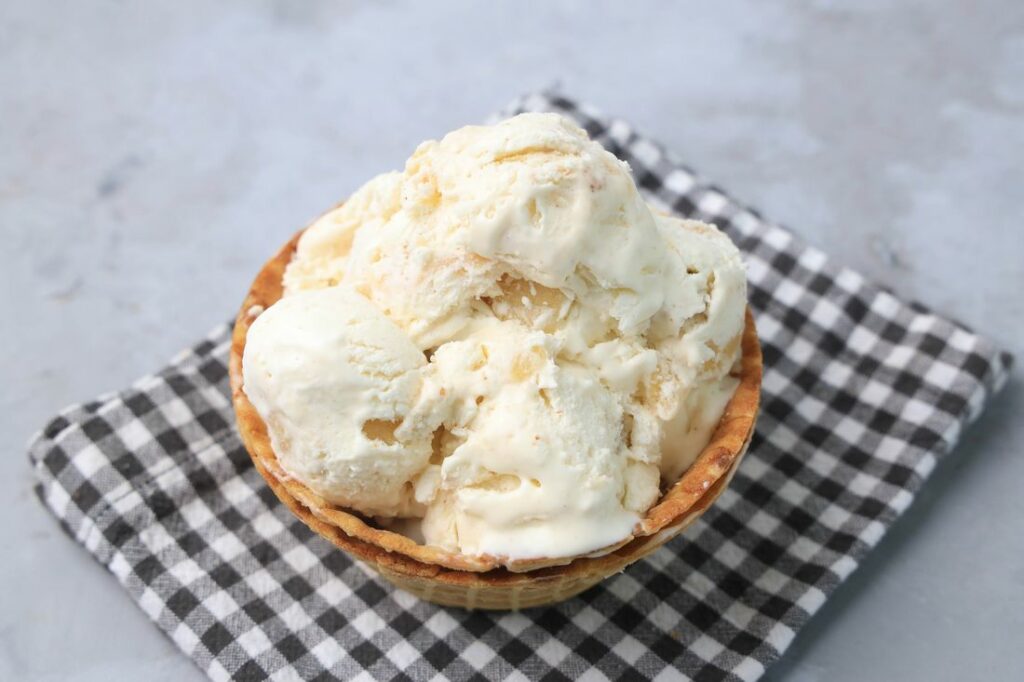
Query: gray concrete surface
[[153, 154]]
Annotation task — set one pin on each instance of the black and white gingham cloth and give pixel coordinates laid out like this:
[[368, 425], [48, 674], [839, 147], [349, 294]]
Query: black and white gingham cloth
[[862, 394]]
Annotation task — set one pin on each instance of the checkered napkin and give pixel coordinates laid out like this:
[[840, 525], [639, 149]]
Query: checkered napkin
[[862, 394]]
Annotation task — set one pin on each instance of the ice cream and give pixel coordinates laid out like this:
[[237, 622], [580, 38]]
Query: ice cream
[[333, 378], [697, 338], [533, 459], [541, 350]]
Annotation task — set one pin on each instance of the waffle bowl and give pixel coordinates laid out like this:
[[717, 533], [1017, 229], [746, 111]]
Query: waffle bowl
[[487, 582]]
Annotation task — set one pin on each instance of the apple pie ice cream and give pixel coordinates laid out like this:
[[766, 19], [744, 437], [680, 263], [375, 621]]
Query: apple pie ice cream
[[502, 349]]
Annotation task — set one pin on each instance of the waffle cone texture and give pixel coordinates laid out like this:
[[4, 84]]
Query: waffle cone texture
[[453, 579]]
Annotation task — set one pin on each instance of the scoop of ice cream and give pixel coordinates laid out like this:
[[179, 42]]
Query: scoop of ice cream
[[577, 344], [321, 255], [531, 456], [531, 195], [697, 336], [333, 378], [698, 330]]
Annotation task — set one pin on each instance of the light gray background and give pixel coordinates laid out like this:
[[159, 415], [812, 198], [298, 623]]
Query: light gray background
[[152, 155]]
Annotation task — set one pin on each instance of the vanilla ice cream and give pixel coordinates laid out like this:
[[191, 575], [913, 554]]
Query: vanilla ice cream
[[536, 351], [333, 378], [534, 460]]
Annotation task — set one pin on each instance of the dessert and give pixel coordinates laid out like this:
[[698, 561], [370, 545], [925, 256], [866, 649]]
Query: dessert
[[499, 361]]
